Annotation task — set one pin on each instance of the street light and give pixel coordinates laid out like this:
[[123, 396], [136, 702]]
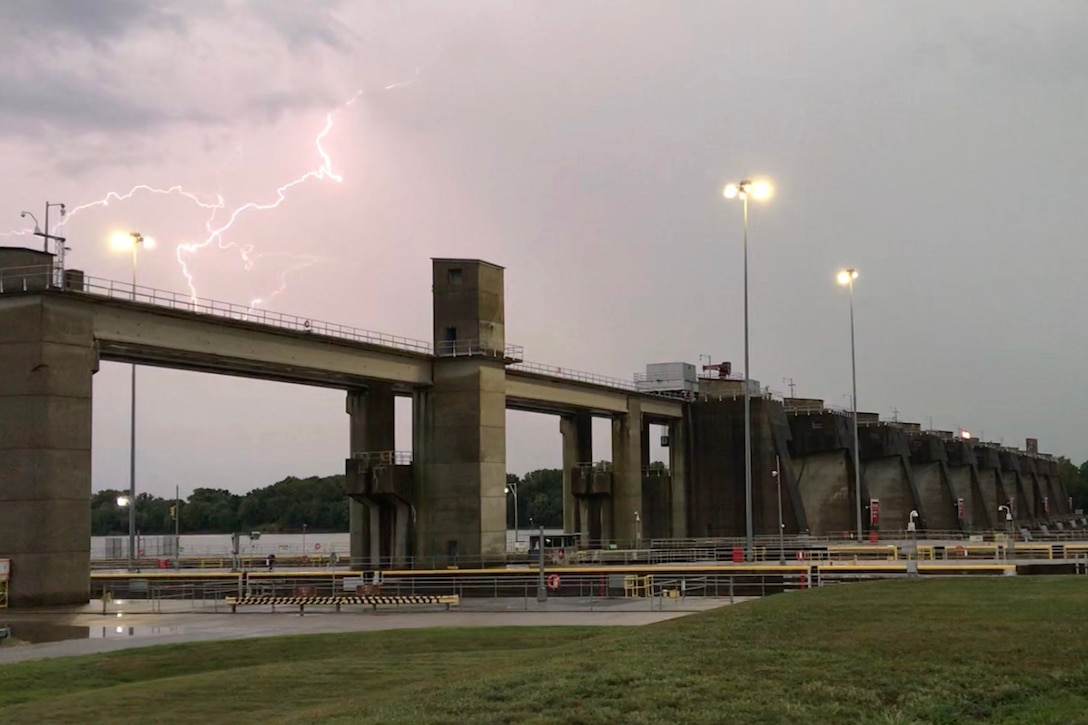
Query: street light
[[846, 277], [757, 190], [1008, 530], [125, 241], [513, 488]]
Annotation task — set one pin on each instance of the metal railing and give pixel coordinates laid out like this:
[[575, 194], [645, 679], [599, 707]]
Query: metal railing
[[578, 375], [36, 278], [27, 279], [471, 348], [385, 458]]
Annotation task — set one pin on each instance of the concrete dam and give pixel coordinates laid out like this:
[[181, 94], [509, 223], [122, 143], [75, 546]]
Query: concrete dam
[[445, 498]]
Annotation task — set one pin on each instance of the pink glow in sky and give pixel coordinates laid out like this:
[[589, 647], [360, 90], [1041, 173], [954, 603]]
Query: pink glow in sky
[[938, 147]]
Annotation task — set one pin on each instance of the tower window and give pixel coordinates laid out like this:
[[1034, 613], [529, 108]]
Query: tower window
[[456, 276]]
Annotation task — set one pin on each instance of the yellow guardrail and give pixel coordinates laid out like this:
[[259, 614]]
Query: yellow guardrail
[[888, 552], [638, 586], [962, 551]]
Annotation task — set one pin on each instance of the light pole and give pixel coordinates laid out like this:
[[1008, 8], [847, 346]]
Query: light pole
[[846, 277], [513, 488], [46, 236], [125, 501], [1008, 530], [757, 190], [781, 524], [125, 241]]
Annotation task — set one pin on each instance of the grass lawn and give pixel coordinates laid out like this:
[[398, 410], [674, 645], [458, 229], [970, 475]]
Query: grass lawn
[[1008, 649]]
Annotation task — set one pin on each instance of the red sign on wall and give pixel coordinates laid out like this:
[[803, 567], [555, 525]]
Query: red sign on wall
[[959, 509], [874, 511]]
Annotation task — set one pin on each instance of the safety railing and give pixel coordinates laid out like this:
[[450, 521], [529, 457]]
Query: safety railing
[[27, 279], [578, 375], [36, 278], [384, 458], [477, 348], [566, 590]]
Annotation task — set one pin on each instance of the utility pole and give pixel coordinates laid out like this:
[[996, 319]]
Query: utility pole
[[791, 384], [177, 527], [541, 586]]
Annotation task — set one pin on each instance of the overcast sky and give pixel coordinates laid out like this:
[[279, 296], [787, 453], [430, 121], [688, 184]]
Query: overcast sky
[[938, 147]]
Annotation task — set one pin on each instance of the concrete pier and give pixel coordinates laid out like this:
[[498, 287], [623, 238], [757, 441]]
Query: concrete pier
[[577, 434], [461, 506], [627, 462], [887, 473], [679, 494], [980, 512], [938, 491], [821, 454], [378, 516], [47, 360]]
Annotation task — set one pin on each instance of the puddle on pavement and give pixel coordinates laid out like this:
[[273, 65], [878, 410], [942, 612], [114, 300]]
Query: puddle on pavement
[[38, 632]]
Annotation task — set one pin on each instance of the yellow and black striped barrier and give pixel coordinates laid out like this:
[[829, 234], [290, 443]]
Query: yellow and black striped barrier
[[340, 600]]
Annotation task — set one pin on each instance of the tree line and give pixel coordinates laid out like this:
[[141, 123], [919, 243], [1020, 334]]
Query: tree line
[[318, 502]]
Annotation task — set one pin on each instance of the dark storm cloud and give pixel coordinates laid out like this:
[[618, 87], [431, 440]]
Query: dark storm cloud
[[98, 22], [34, 106], [304, 24], [106, 72]]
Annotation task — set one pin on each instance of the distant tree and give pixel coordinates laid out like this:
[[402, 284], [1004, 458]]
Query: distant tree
[[1074, 480]]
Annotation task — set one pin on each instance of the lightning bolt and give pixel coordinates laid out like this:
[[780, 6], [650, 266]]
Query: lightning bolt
[[216, 231]]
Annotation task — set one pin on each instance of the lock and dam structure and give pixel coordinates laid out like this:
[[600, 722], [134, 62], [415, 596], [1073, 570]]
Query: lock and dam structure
[[445, 499]]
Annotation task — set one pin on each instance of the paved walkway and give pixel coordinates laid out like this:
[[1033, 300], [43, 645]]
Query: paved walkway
[[127, 625]]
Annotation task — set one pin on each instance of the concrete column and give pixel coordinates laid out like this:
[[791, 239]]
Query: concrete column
[[590, 527], [678, 472], [571, 513], [401, 526], [358, 532], [462, 508], [422, 447], [627, 459], [371, 429], [577, 432], [47, 360]]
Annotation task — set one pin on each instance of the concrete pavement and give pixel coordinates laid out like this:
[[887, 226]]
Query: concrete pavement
[[131, 624]]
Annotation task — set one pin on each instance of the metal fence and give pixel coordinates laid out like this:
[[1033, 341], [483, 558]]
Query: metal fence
[[566, 591]]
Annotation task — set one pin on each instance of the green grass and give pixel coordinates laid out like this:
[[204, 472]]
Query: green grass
[[1012, 650]]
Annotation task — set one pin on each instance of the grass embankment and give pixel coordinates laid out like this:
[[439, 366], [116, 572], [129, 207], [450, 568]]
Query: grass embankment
[[945, 651]]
